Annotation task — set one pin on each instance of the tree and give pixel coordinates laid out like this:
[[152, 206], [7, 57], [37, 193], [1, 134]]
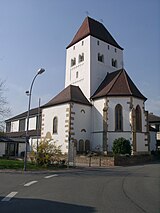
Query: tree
[[4, 109], [121, 146], [47, 152]]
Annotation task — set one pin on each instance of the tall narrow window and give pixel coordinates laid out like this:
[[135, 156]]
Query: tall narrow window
[[77, 74], [55, 125], [118, 118], [138, 119]]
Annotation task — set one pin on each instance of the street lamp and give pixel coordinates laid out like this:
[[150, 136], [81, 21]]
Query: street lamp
[[29, 93]]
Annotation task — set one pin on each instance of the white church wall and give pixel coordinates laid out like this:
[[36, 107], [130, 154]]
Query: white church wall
[[99, 69], [47, 124], [112, 136], [140, 142], [79, 74], [82, 122], [97, 123]]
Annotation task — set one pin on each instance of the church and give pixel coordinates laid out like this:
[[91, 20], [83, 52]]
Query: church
[[100, 102]]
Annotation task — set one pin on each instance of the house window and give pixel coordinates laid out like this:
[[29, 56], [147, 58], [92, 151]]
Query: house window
[[97, 42], [114, 62], [77, 74], [55, 125], [118, 118], [100, 57], [22, 124], [8, 126], [138, 119], [73, 62], [81, 57]]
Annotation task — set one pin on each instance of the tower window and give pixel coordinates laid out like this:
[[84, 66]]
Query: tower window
[[73, 62], [82, 43], [114, 62], [115, 50], [81, 57], [108, 47], [73, 47], [100, 57], [77, 74], [97, 42]]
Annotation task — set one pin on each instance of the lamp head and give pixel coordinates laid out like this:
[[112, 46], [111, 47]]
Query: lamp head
[[40, 71]]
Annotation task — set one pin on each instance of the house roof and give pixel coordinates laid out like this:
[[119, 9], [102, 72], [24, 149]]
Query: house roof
[[95, 29], [24, 114], [153, 118], [22, 134], [118, 83], [69, 94], [12, 140]]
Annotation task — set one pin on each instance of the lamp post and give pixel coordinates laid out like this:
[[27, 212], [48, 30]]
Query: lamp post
[[29, 93]]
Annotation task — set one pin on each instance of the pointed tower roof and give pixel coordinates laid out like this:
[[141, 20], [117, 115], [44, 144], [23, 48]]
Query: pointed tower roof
[[95, 29], [69, 94], [118, 83]]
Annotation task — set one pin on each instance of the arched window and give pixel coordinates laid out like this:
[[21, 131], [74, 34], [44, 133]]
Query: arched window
[[118, 118], [81, 146], [138, 119], [87, 145], [55, 125]]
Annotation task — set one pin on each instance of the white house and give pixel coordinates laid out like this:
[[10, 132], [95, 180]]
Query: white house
[[99, 102]]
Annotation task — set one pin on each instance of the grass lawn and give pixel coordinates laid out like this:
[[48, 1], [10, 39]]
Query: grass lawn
[[19, 165]]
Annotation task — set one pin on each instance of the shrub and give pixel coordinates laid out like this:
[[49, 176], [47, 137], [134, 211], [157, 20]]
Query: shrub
[[47, 153], [121, 146]]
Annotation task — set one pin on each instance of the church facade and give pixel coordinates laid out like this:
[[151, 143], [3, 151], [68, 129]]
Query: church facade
[[100, 102]]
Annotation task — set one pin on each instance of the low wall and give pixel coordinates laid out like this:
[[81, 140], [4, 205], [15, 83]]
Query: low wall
[[104, 161], [94, 161]]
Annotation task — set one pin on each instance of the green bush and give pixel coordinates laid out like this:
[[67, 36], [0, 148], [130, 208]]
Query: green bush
[[47, 153], [121, 146]]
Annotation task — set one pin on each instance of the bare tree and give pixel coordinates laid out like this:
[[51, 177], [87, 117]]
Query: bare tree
[[4, 109]]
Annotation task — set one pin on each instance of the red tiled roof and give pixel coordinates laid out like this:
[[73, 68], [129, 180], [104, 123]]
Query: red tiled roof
[[95, 29], [69, 94], [118, 83]]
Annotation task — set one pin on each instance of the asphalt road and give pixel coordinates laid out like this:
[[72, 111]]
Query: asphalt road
[[133, 189]]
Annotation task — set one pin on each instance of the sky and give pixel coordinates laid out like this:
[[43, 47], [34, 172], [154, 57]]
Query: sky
[[35, 34]]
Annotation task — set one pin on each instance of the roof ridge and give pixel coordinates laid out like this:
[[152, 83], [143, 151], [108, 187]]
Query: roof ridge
[[115, 80], [127, 82]]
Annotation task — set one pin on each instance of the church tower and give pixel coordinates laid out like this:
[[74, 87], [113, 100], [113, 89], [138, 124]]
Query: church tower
[[92, 54]]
